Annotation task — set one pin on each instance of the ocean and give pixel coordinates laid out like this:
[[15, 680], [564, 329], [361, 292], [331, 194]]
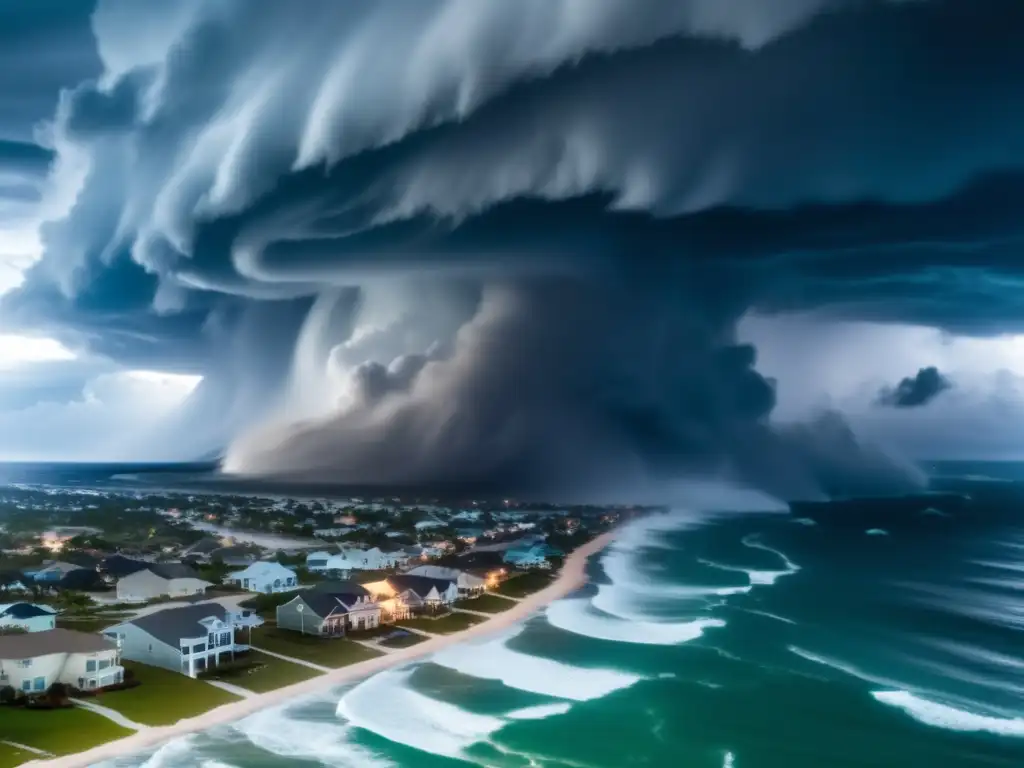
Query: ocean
[[729, 632]]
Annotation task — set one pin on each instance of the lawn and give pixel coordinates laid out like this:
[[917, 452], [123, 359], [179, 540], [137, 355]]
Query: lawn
[[485, 604], [271, 673], [164, 697], [526, 584], [452, 622], [336, 652], [87, 623], [10, 757], [61, 731], [402, 641]]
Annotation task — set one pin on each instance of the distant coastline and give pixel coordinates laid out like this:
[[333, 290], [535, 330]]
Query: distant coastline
[[570, 578]]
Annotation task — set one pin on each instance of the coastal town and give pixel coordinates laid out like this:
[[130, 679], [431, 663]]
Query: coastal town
[[123, 613]]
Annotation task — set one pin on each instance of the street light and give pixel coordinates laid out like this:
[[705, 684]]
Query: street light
[[302, 623]]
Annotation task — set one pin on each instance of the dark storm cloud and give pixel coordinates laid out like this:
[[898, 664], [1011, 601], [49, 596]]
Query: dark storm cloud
[[619, 182], [915, 391]]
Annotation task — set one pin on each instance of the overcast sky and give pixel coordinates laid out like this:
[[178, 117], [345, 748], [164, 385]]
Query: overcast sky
[[541, 242]]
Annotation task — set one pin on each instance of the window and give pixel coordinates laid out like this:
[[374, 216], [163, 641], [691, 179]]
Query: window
[[104, 663], [212, 640], [25, 663], [26, 685], [201, 648], [225, 638], [184, 650], [90, 666], [39, 684]]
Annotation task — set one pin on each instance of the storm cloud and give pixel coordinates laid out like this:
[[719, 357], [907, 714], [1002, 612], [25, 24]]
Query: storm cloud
[[510, 243], [915, 391]]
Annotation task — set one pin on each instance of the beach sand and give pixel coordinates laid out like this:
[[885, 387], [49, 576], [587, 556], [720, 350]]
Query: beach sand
[[570, 578]]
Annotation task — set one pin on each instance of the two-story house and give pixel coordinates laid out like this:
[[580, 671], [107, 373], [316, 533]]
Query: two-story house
[[404, 595], [330, 609], [32, 662], [188, 640]]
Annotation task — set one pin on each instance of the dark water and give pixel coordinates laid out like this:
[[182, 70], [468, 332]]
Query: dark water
[[865, 634]]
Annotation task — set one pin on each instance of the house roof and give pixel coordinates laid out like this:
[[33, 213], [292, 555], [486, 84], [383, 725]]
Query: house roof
[[420, 585], [339, 588], [447, 574], [120, 566], [81, 579], [33, 644], [172, 571], [322, 604], [172, 624], [264, 570], [24, 611]]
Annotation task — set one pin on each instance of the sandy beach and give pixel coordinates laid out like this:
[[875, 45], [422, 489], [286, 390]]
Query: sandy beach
[[571, 578]]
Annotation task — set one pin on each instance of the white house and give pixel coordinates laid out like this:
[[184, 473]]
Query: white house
[[404, 595], [374, 559], [31, 663], [27, 616], [265, 577], [330, 610], [161, 580], [188, 640], [467, 583]]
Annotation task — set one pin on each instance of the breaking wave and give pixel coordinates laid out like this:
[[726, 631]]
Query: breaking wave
[[949, 718]]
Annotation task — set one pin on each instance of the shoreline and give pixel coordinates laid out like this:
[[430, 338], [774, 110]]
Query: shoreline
[[570, 578]]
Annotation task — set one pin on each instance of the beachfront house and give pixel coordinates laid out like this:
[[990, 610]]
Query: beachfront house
[[468, 584], [402, 596], [161, 580], [188, 640], [31, 663], [267, 577], [532, 556], [27, 616], [330, 610]]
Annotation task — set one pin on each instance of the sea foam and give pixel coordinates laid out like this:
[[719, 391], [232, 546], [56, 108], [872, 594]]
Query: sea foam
[[386, 705], [577, 616], [277, 731], [494, 660], [942, 716], [540, 712]]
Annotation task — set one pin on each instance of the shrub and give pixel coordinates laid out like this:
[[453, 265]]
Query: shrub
[[8, 694]]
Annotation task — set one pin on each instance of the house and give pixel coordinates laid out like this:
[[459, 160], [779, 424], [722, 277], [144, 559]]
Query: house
[[374, 559], [80, 580], [33, 662], [161, 580], [469, 535], [117, 567], [188, 640], [27, 616], [404, 595], [12, 581], [467, 583], [330, 610], [317, 561], [51, 572], [265, 577], [532, 556], [236, 556]]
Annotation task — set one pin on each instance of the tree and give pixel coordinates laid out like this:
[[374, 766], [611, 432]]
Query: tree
[[13, 631], [8, 694]]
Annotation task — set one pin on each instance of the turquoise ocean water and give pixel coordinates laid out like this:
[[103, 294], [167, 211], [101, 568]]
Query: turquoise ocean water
[[863, 634]]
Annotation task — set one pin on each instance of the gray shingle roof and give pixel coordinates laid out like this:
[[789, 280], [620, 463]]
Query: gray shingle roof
[[33, 644], [173, 571], [172, 624]]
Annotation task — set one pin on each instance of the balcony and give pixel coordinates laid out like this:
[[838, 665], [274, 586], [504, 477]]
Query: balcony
[[246, 619]]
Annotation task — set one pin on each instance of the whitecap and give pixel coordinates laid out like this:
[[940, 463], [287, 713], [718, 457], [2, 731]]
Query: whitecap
[[276, 731], [942, 716], [729, 760], [494, 660], [933, 512], [769, 615], [757, 578], [385, 705], [804, 521], [876, 532], [173, 753], [841, 666], [753, 541], [576, 615], [540, 712]]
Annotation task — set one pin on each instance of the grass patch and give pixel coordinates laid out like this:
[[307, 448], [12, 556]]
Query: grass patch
[[267, 674], [525, 584], [452, 622], [485, 604], [87, 624], [10, 756], [60, 731], [326, 652], [403, 640], [165, 697]]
